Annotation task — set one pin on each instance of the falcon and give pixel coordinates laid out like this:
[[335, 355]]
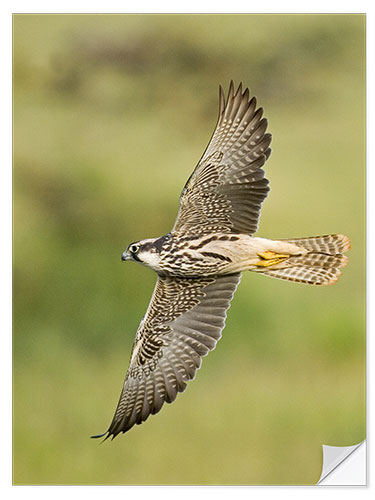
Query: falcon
[[200, 261]]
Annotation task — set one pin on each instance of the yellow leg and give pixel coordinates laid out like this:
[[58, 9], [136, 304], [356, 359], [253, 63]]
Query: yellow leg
[[271, 258]]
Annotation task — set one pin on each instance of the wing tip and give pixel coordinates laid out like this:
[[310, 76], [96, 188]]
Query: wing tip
[[221, 100], [241, 90], [231, 89], [98, 436]]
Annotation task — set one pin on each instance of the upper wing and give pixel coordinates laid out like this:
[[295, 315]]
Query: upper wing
[[183, 322], [227, 188]]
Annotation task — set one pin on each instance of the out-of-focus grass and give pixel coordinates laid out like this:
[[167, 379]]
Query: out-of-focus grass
[[110, 115]]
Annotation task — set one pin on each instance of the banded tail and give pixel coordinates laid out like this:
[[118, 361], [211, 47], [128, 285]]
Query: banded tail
[[319, 266]]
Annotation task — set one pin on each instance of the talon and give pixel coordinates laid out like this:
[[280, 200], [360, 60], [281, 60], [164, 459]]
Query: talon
[[267, 255], [270, 258]]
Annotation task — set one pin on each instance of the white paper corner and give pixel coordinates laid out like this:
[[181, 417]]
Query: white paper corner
[[344, 465]]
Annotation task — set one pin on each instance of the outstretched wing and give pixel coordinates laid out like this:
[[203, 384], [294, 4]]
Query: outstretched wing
[[183, 322], [227, 188]]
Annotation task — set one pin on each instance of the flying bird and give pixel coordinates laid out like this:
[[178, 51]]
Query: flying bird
[[200, 261]]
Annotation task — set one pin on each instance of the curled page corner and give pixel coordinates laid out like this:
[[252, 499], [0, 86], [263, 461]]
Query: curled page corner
[[336, 457]]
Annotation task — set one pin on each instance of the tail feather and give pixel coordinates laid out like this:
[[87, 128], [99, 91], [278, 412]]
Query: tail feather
[[318, 260], [330, 243], [307, 275], [319, 266]]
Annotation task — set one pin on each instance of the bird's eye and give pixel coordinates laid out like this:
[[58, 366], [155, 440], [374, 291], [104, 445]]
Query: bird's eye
[[134, 248]]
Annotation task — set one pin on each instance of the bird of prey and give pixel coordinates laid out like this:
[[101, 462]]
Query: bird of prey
[[200, 261]]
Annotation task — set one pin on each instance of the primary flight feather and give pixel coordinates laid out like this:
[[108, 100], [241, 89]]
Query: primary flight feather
[[199, 263]]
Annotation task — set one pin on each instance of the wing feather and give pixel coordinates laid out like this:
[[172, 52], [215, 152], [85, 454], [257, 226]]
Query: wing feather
[[188, 324], [227, 188]]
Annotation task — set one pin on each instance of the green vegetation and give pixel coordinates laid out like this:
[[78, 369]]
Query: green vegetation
[[111, 113]]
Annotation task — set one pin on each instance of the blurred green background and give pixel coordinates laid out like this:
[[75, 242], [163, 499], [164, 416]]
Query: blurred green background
[[111, 114]]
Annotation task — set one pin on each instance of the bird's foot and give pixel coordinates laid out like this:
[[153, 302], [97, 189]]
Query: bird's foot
[[271, 258]]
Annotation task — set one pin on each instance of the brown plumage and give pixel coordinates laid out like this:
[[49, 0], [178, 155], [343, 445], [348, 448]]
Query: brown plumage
[[199, 263]]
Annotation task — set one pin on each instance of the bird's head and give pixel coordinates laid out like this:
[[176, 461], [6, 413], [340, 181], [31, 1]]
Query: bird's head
[[144, 251]]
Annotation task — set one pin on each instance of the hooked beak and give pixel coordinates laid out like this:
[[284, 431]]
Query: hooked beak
[[125, 256]]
